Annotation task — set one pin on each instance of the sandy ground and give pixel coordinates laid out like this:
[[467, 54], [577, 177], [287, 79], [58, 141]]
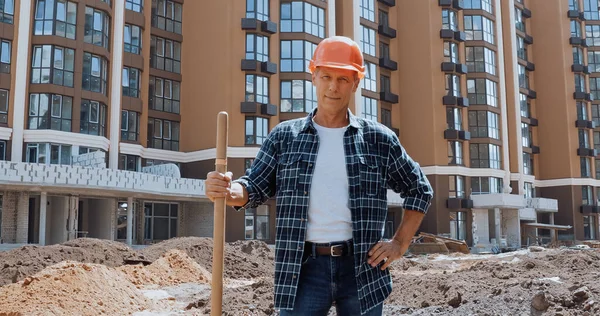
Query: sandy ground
[[96, 277]]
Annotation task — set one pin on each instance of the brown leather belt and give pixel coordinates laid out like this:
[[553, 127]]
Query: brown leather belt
[[333, 250]]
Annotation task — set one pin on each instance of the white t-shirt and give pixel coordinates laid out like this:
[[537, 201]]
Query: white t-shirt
[[329, 217]]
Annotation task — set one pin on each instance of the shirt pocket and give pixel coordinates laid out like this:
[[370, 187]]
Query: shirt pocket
[[290, 169], [372, 181]]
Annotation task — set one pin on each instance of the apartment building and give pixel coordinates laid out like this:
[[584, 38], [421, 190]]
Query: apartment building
[[108, 116]]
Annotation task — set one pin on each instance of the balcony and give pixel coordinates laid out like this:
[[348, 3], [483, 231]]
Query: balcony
[[499, 200], [458, 203], [586, 152], [577, 41], [452, 100], [388, 97], [387, 63], [532, 94], [585, 124], [255, 65], [454, 35], [255, 24], [389, 3], [268, 109], [543, 204], [533, 121], [526, 13], [582, 96], [580, 68], [452, 134], [386, 31], [535, 149], [452, 67], [528, 39], [530, 66], [589, 209]]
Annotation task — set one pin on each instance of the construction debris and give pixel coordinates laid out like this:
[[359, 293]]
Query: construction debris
[[426, 243]]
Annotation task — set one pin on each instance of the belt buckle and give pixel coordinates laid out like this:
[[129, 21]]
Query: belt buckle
[[335, 253]]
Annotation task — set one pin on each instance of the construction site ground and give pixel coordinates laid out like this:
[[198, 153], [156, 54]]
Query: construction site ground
[[98, 277]]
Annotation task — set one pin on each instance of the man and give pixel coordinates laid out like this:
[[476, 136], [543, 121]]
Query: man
[[329, 173]]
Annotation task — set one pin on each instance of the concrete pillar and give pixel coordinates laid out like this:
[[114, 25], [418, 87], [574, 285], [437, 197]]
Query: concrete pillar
[[480, 227], [73, 204], [115, 91], [22, 218], [511, 226], [129, 220], [43, 205], [498, 224]]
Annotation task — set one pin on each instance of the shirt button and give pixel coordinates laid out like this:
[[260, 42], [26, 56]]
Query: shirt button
[[305, 193], [293, 276], [310, 164], [299, 247]]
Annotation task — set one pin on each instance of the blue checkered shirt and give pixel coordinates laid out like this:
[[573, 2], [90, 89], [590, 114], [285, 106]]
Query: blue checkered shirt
[[375, 161]]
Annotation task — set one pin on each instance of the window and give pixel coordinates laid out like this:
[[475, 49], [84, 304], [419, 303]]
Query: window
[[584, 141], [88, 150], [2, 157], [453, 85], [257, 89], [456, 187], [485, 156], [523, 77], [248, 163], [529, 190], [302, 17], [298, 96], [3, 106], [580, 83], [385, 84], [50, 111], [481, 59], [451, 52], [384, 50], [526, 135], [296, 55], [574, 5], [132, 39], [593, 61], [94, 73], [386, 117], [521, 48], [53, 64], [59, 154], [486, 185], [449, 20], [478, 28], [7, 11], [131, 82], [369, 108], [582, 111], [525, 105], [585, 165], [455, 153], [485, 5], [257, 47], [130, 125], [587, 197], [592, 35], [55, 17], [257, 9], [367, 41], [165, 134], [482, 91], [519, 22], [454, 118], [121, 219], [527, 163], [484, 124], [160, 221], [597, 161], [257, 223], [165, 54], [5, 52], [578, 55], [576, 29], [384, 18], [164, 95], [367, 10], [458, 225], [590, 10], [134, 5], [369, 82], [257, 129], [596, 114], [167, 16], [594, 85], [93, 118], [130, 162], [589, 227], [96, 29]]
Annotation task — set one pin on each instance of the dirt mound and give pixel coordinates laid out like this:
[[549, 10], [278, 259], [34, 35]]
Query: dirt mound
[[18, 263], [70, 288], [243, 259], [174, 267]]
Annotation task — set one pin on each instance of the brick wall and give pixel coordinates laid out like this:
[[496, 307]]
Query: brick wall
[[197, 219], [167, 170], [22, 217], [8, 232], [96, 159]]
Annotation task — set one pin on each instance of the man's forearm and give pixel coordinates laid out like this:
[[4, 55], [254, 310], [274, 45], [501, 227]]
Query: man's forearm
[[410, 223], [238, 196]]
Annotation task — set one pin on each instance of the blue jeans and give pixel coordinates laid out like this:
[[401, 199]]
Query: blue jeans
[[326, 280]]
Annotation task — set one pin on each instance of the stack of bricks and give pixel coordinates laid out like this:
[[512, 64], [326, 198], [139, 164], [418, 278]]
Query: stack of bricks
[[15, 217], [96, 159]]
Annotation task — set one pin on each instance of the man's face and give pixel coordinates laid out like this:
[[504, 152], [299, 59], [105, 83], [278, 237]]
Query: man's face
[[334, 87]]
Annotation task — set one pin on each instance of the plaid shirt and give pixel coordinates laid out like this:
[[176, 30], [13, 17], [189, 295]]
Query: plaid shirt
[[375, 161]]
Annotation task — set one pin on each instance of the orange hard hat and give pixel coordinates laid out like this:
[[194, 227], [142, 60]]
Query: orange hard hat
[[338, 52]]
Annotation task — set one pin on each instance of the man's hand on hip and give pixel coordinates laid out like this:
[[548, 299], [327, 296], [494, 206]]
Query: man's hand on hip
[[389, 250]]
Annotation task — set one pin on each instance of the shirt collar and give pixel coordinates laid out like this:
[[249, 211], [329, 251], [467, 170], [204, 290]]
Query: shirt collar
[[308, 121]]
